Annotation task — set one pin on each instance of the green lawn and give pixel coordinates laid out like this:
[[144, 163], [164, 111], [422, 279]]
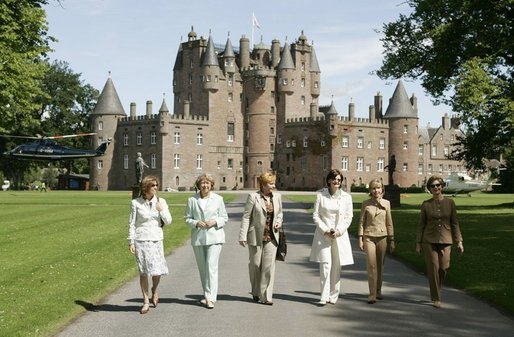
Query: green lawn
[[63, 248], [486, 268]]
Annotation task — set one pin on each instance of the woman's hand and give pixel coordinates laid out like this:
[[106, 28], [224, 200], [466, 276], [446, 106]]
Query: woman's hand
[[391, 247], [361, 243], [132, 248], [277, 225], [418, 248], [242, 243], [158, 206], [460, 247]]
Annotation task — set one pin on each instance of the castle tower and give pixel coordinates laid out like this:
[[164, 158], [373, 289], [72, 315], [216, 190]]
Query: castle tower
[[104, 119], [403, 136], [210, 68]]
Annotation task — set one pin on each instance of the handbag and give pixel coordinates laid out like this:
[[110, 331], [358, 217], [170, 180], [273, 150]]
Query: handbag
[[282, 245]]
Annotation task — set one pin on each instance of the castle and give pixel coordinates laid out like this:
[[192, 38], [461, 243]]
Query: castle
[[238, 112]]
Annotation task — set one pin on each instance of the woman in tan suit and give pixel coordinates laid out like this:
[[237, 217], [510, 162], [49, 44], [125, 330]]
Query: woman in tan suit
[[438, 228], [261, 221], [375, 231]]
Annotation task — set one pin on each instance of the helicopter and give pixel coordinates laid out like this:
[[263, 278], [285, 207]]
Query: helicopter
[[458, 182], [46, 148]]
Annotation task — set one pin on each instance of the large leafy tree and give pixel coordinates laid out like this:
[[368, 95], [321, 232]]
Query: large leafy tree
[[462, 51], [65, 108], [24, 43]]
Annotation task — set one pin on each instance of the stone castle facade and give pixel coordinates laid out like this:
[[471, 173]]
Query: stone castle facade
[[238, 112]]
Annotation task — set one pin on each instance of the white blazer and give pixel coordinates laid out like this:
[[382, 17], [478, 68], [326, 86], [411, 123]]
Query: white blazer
[[332, 212], [214, 209]]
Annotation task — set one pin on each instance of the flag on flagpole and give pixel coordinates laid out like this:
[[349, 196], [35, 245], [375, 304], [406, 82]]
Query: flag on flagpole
[[255, 22]]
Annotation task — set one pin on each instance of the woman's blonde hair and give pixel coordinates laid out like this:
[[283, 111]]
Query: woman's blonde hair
[[266, 178], [204, 176], [375, 182], [147, 182]]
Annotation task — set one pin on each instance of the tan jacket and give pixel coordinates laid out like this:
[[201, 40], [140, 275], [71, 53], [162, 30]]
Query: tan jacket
[[254, 218], [438, 222], [376, 219]]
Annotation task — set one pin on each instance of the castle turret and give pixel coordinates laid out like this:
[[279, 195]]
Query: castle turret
[[210, 68], [315, 74], [229, 58], [163, 118], [275, 53], [286, 71], [104, 119], [403, 136]]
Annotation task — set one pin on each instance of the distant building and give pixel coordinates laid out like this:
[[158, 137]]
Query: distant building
[[239, 112]]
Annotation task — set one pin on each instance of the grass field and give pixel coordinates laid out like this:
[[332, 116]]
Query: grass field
[[486, 268], [62, 251]]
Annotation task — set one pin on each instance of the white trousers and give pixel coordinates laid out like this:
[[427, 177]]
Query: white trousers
[[207, 259], [330, 276]]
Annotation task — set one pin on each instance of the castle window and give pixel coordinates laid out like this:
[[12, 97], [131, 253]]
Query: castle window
[[405, 167], [284, 81], [316, 84], [360, 142], [369, 145], [452, 138], [199, 139], [153, 137], [368, 167], [272, 131], [303, 66], [191, 64], [272, 147], [292, 81], [345, 141], [100, 125], [174, 82], [190, 78], [230, 163], [100, 164], [288, 143], [430, 168], [302, 100], [259, 163], [272, 110], [199, 161], [153, 160], [380, 164], [381, 143], [420, 149], [293, 143], [176, 161], [139, 138], [360, 164], [279, 139], [126, 161], [405, 145], [176, 138], [305, 141], [230, 97], [420, 169], [219, 164], [446, 150], [229, 80], [322, 141], [434, 150], [230, 132], [302, 83], [344, 163], [125, 139], [215, 78], [405, 128], [208, 78]]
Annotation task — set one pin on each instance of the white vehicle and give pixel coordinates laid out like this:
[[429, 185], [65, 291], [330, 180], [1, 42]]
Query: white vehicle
[[6, 185], [458, 182]]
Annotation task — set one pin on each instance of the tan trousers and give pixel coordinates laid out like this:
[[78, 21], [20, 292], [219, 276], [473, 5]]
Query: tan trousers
[[437, 259], [262, 270], [375, 248]]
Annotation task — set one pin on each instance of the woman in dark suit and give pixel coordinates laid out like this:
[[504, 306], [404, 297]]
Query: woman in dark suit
[[261, 221], [375, 232], [438, 228]]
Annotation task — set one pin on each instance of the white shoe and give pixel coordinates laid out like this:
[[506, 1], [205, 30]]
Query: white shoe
[[209, 305], [321, 303]]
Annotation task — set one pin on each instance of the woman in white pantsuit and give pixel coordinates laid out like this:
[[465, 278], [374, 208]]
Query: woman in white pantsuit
[[332, 215], [206, 215]]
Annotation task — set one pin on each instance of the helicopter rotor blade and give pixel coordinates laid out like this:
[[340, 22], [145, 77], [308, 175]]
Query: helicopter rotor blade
[[70, 136], [22, 137]]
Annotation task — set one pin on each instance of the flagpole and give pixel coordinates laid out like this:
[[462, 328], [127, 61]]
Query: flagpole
[[253, 27]]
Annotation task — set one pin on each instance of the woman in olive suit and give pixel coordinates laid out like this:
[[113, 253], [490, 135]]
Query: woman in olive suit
[[438, 229]]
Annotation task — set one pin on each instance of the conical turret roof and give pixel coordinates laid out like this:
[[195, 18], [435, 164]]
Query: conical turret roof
[[178, 60], [332, 109], [210, 58], [400, 105], [314, 62], [164, 107], [109, 102], [286, 60], [229, 51]]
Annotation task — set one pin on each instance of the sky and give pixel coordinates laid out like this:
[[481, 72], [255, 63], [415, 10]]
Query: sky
[[136, 42]]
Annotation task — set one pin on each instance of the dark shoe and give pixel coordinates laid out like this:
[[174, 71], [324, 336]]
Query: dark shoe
[[255, 298], [372, 301], [145, 308]]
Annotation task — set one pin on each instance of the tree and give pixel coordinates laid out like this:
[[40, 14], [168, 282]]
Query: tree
[[462, 51], [24, 43], [65, 108]]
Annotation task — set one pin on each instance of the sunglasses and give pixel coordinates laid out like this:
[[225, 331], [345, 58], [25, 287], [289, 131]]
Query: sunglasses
[[435, 185], [154, 185]]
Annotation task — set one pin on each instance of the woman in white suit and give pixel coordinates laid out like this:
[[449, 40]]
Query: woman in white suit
[[261, 221], [206, 215], [332, 215]]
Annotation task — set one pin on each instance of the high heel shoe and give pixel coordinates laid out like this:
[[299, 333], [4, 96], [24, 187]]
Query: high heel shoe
[[145, 308]]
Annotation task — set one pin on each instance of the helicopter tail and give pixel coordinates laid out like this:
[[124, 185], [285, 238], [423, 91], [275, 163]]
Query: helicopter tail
[[100, 151]]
